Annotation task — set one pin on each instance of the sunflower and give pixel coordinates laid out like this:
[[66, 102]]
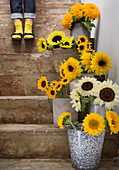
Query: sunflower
[[61, 70], [107, 93], [87, 86], [93, 124], [42, 45], [91, 11], [53, 83], [74, 94], [76, 104], [67, 20], [81, 39], [86, 61], [51, 92], [63, 118], [89, 46], [82, 47], [77, 10], [91, 51], [101, 63], [55, 37], [42, 83], [113, 121], [72, 68], [67, 42], [65, 80], [58, 86]]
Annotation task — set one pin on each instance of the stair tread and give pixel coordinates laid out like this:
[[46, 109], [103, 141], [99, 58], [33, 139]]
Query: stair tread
[[50, 164], [29, 128]]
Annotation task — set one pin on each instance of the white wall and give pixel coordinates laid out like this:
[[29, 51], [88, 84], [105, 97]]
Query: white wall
[[108, 33]]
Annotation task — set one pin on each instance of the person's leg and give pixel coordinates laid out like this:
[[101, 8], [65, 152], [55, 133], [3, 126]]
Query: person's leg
[[16, 15], [29, 15]]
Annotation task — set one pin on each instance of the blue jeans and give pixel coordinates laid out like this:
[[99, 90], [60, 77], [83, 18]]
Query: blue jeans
[[16, 9]]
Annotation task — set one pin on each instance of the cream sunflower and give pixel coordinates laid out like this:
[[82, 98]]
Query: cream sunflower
[[91, 11], [86, 61], [101, 63], [74, 94], [77, 10], [51, 92], [67, 42], [87, 86], [76, 104], [62, 119], [42, 83], [55, 37], [65, 80], [93, 124], [82, 47], [72, 68], [113, 121], [81, 39], [107, 93], [42, 45], [67, 20]]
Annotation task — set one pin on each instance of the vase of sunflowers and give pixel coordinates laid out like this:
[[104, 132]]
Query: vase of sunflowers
[[79, 19], [86, 139]]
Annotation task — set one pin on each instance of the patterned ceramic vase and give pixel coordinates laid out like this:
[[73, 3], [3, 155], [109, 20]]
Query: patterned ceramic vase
[[85, 150]]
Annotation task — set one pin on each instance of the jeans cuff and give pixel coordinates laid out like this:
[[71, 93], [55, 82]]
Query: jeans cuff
[[16, 16], [29, 15]]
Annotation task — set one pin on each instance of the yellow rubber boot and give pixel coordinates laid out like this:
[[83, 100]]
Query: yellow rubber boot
[[18, 30], [28, 30]]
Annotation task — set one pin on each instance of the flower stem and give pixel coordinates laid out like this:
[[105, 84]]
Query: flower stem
[[72, 125]]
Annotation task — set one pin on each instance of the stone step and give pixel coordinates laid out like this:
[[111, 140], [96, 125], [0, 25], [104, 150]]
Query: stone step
[[25, 109], [22, 84], [43, 141], [50, 164], [33, 141]]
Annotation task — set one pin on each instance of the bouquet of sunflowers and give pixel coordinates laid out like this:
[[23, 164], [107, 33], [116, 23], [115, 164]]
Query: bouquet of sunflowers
[[79, 13]]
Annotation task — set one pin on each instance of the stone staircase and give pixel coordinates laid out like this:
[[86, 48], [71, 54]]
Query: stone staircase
[[26, 120]]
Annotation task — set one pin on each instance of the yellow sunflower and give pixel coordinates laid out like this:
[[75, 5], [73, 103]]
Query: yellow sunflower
[[82, 47], [67, 20], [91, 51], [63, 119], [61, 70], [67, 42], [86, 61], [42, 83], [81, 39], [91, 11], [53, 83], [107, 94], [113, 121], [51, 92], [89, 46], [77, 10], [101, 63], [42, 45], [87, 86], [55, 37], [72, 68], [58, 86], [93, 124], [65, 80]]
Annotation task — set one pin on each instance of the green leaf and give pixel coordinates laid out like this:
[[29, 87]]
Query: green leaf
[[74, 19], [49, 101], [92, 98], [50, 48], [69, 10], [82, 107]]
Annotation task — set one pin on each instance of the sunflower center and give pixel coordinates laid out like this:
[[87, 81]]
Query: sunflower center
[[82, 39], [52, 92], [43, 46], [63, 72], [113, 122], [43, 84], [65, 80], [107, 94], [76, 101], [81, 47], [58, 86], [93, 124], [57, 38], [92, 8], [66, 43], [102, 63], [70, 68], [87, 86]]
